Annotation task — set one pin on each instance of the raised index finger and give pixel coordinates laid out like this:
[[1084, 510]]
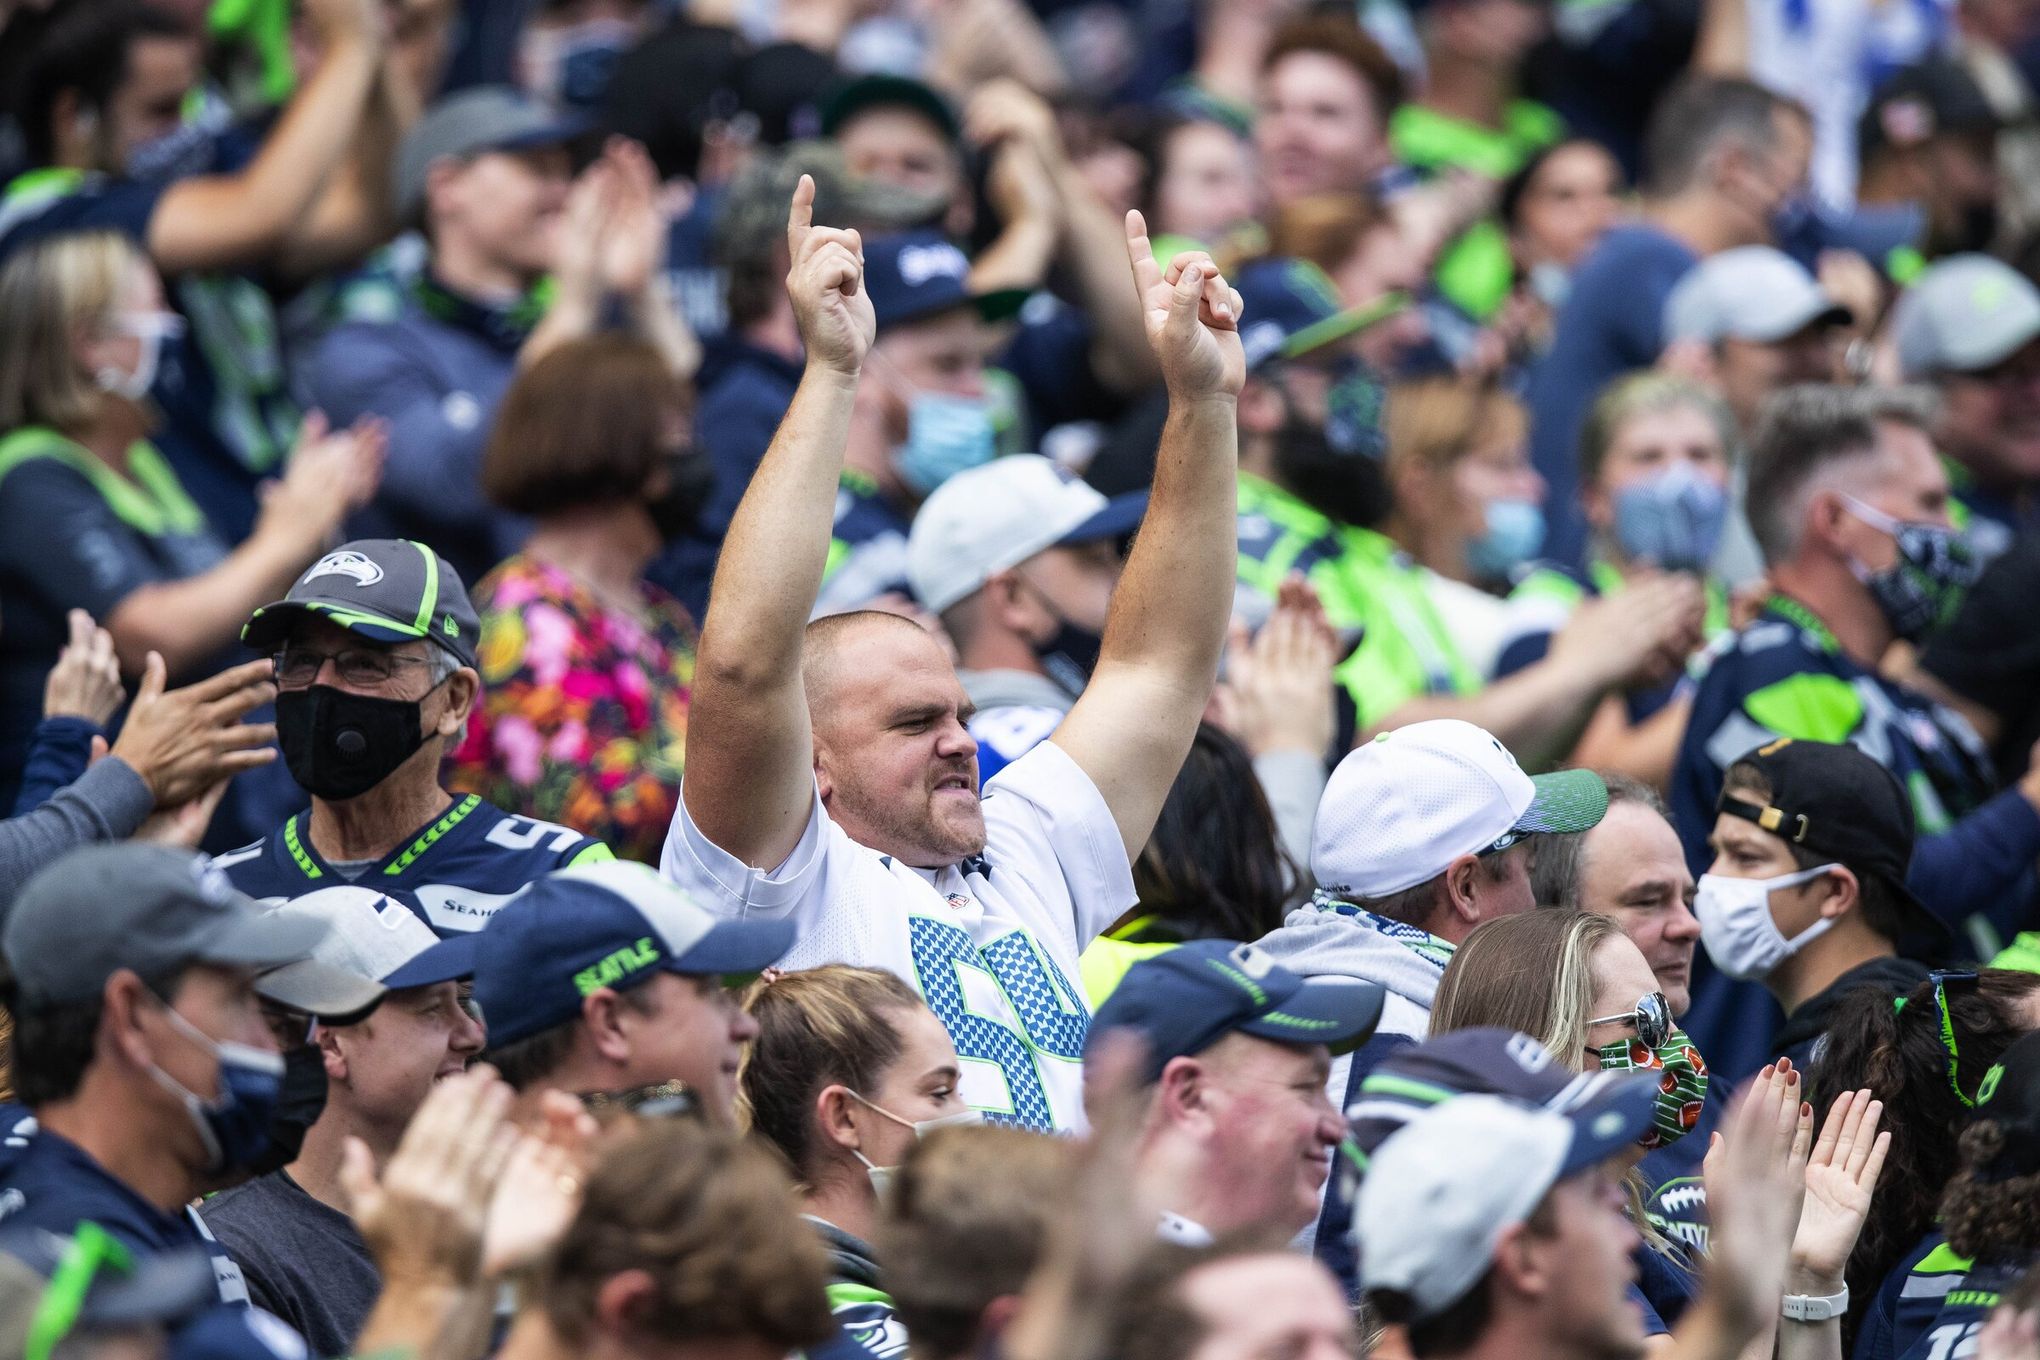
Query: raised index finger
[[800, 217], [1146, 273]]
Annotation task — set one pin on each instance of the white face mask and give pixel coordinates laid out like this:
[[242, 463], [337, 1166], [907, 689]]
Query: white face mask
[[152, 329], [1737, 927], [882, 1176]]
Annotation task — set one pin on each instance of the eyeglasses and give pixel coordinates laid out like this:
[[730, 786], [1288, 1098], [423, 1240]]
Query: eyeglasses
[[1945, 1023], [297, 667], [667, 1100], [91, 1250], [1652, 1019]]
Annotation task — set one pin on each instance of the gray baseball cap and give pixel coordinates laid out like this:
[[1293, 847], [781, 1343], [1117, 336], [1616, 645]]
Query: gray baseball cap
[[1964, 313], [1751, 293], [470, 123], [386, 589], [149, 908]]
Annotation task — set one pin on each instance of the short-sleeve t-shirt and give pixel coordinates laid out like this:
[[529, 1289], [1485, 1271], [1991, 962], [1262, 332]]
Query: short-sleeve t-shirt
[[304, 1260], [991, 943]]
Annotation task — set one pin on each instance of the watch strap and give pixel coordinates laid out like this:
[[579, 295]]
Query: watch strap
[[1815, 1307]]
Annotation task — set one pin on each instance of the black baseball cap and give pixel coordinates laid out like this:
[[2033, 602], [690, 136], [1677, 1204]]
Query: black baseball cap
[[2009, 1096], [386, 589], [1186, 999], [913, 275], [1840, 804], [154, 909], [616, 924], [1933, 99], [881, 90]]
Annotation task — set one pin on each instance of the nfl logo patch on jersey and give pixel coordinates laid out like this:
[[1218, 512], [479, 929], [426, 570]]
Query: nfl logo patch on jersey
[[959, 901]]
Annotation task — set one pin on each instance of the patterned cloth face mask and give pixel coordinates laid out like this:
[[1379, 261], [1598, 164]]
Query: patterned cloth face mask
[[1660, 1047]]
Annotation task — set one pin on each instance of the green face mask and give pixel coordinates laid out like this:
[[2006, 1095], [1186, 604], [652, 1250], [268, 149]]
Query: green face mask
[[1682, 1082]]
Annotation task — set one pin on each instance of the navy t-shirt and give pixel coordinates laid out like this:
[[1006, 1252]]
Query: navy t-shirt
[[1612, 323]]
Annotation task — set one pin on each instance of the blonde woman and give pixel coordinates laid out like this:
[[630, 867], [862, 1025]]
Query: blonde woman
[[849, 1070], [92, 514]]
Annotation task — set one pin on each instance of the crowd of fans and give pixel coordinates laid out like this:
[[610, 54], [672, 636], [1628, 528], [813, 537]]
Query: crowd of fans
[[1056, 679]]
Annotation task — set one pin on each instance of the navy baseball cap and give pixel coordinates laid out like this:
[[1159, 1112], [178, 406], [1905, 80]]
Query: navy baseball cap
[[1487, 1061], [912, 275], [616, 924], [1291, 309], [56, 1286], [1183, 1001], [386, 589]]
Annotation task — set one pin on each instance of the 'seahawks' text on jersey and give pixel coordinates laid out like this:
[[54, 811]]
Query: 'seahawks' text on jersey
[[454, 872]]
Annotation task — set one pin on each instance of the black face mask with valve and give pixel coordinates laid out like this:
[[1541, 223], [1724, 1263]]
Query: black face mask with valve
[[340, 745]]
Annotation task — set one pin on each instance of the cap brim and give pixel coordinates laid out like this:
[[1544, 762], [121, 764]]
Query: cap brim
[[1565, 801], [1822, 313], [1338, 1012], [736, 948], [333, 995], [268, 626], [1120, 517], [1340, 325], [254, 938], [1615, 1113], [565, 128], [448, 961]]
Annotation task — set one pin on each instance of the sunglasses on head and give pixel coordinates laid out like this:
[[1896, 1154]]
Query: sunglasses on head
[[1652, 1019]]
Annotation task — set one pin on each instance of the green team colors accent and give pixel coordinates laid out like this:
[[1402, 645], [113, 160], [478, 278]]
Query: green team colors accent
[[595, 852], [2023, 953], [1104, 965], [293, 843], [151, 500], [1367, 583], [617, 965], [1476, 270], [1811, 707], [452, 819]]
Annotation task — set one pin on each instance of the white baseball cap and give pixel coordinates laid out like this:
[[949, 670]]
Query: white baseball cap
[[1399, 810], [1964, 313], [370, 935], [1440, 1191], [999, 515], [1750, 293]]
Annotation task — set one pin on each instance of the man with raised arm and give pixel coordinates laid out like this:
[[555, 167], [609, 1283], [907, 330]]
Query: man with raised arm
[[830, 778]]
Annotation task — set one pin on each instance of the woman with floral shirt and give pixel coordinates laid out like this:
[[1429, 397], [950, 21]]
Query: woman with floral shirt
[[586, 666]]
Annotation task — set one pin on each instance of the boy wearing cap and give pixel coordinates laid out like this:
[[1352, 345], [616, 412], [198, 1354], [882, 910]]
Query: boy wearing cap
[[1239, 1133], [132, 974], [1018, 558], [302, 1256], [831, 780], [1486, 1226], [1422, 834], [608, 979], [375, 677], [1807, 893], [488, 174]]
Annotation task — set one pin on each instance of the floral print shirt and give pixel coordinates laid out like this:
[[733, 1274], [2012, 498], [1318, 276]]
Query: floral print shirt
[[583, 712]]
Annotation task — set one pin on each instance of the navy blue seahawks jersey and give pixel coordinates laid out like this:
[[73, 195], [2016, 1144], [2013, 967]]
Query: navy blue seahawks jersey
[[454, 873], [1906, 1305], [1965, 1309]]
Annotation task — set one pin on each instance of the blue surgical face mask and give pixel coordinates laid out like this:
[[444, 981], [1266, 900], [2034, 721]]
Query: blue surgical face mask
[[946, 434], [1515, 533], [1672, 520], [235, 1127]]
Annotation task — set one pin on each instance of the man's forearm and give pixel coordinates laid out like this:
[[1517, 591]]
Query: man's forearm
[[1170, 609]]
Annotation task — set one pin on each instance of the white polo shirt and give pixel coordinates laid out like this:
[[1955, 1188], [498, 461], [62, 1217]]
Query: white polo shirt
[[992, 943]]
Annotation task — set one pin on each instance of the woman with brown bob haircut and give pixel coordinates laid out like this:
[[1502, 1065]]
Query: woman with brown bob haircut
[[586, 666]]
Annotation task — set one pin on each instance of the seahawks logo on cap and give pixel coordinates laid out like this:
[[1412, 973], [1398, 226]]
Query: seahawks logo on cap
[[355, 566]]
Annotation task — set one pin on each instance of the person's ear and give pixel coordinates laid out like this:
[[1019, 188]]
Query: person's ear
[[327, 1040], [122, 1001], [624, 1301], [602, 1016], [1460, 892], [441, 185], [1009, 602], [1183, 1091], [1827, 522], [1840, 891], [1519, 1266], [461, 690], [832, 1115]]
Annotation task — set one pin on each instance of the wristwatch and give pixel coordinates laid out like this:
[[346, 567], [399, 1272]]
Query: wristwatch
[[1816, 1307]]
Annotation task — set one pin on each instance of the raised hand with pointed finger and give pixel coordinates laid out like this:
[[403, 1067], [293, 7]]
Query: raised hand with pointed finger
[[1192, 316], [826, 283]]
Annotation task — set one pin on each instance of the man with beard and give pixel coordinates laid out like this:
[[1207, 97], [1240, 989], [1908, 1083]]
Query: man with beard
[[1312, 493]]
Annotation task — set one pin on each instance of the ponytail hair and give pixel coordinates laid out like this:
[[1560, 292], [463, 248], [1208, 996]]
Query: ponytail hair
[[1897, 1050], [833, 1026]]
